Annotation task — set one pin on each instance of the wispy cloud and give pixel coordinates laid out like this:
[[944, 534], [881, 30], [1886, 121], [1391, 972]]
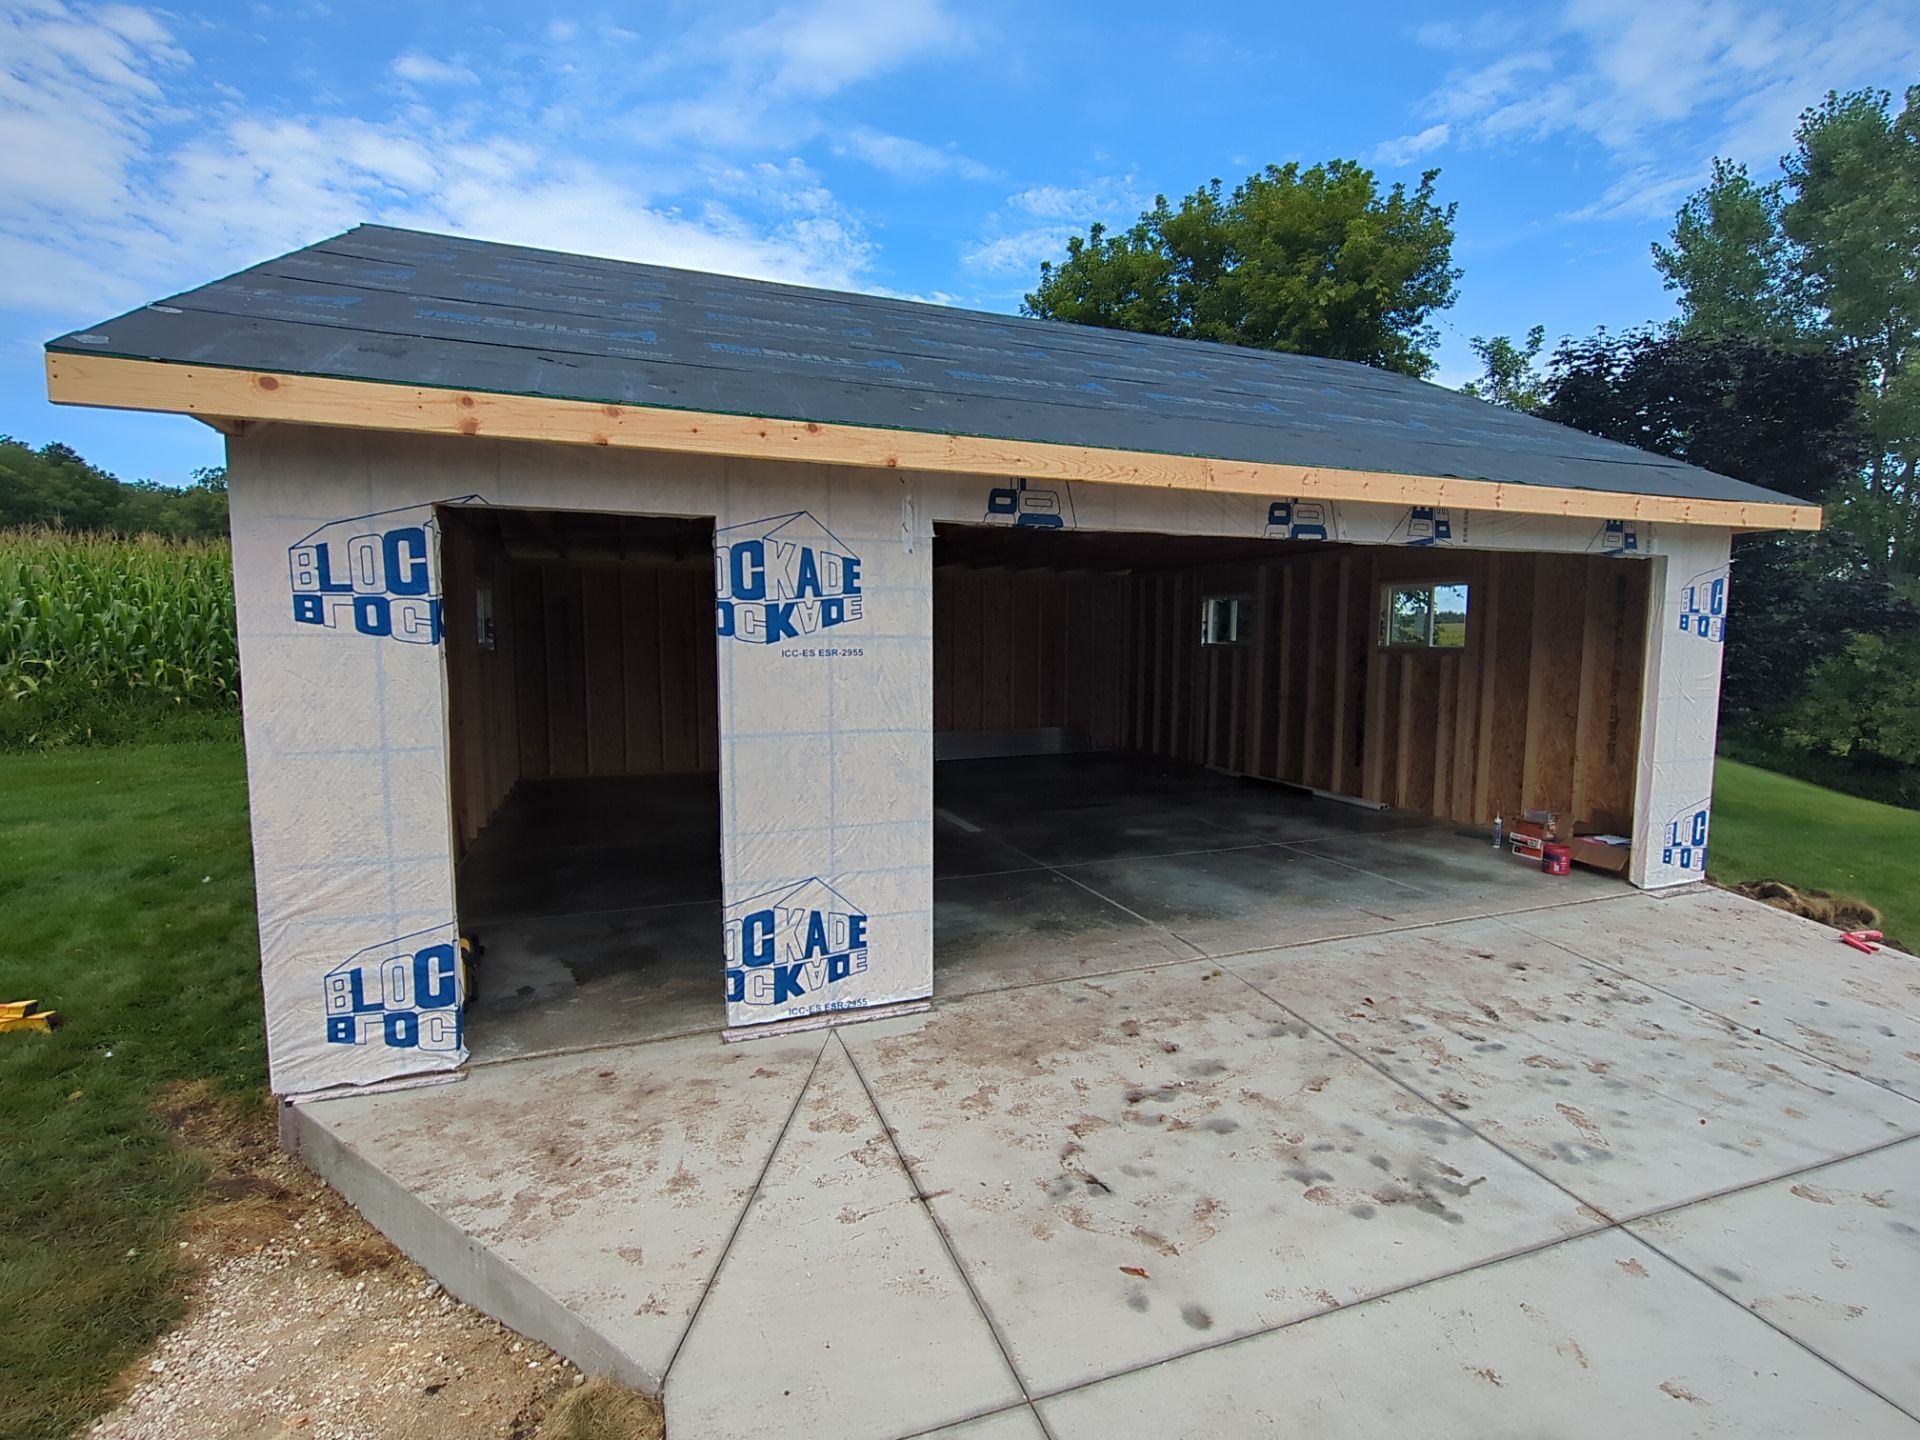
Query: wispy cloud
[[122, 175], [909, 159], [1659, 86], [1034, 224], [821, 49], [1408, 148], [421, 69]]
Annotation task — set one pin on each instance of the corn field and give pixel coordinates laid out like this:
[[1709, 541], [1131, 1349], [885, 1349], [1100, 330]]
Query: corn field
[[91, 616]]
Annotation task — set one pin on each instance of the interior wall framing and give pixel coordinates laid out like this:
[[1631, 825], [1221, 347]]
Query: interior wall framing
[[1031, 650], [602, 664], [1539, 710]]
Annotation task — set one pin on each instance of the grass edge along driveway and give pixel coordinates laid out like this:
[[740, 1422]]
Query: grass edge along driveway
[[126, 903], [1774, 827]]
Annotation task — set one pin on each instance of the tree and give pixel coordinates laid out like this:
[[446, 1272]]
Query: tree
[[1855, 222], [1829, 254], [1864, 706], [1509, 375], [1732, 264], [1315, 262], [54, 486], [1781, 416]]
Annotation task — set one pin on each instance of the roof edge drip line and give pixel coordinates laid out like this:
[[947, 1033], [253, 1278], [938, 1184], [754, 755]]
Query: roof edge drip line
[[213, 393]]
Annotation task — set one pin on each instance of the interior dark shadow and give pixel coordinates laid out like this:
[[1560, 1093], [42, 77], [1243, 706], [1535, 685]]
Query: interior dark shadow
[[584, 742], [1102, 705]]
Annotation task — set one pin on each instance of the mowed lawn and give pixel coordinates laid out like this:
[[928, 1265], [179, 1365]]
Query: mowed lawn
[[126, 903], [1773, 827]]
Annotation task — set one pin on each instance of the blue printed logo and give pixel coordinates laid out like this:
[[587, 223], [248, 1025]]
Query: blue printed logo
[[1618, 537], [790, 947], [1030, 507], [406, 994], [1300, 520], [373, 575], [1685, 844], [1703, 606], [1431, 525], [783, 578]]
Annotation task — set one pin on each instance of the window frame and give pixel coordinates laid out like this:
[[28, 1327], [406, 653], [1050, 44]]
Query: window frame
[[1384, 628], [1242, 603]]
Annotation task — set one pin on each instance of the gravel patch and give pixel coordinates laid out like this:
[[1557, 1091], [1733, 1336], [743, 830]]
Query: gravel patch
[[305, 1322]]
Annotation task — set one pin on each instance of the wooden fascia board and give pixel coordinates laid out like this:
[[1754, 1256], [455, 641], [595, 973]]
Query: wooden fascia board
[[214, 393]]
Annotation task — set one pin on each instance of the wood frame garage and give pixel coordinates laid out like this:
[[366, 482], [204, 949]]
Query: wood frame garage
[[405, 411]]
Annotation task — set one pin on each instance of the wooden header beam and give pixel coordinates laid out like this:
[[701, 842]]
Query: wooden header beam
[[225, 396]]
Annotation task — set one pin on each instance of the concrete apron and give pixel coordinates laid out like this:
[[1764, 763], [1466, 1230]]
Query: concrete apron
[[1633, 1165]]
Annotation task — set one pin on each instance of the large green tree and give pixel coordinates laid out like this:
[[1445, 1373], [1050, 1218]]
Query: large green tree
[[1316, 261], [1783, 416], [1828, 254]]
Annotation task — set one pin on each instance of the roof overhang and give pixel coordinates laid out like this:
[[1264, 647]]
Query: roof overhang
[[228, 398]]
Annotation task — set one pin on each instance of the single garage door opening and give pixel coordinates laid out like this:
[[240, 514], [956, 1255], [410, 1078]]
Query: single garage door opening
[[1152, 747], [584, 756]]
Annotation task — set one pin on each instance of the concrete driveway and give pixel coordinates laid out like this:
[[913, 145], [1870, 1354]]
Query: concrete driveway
[[1622, 1166]]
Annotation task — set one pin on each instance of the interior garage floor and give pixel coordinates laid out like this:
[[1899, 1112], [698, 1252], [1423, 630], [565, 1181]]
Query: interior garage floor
[[598, 901]]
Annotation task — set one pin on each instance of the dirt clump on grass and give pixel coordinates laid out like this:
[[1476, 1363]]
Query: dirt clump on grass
[[304, 1323], [1835, 910]]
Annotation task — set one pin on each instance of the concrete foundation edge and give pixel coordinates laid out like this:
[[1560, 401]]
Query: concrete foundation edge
[[466, 1269]]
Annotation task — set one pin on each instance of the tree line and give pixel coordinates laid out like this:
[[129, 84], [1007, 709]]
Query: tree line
[[55, 487], [1792, 365]]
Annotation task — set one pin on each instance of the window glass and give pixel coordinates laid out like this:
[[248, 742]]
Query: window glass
[[1409, 615], [1222, 620], [1425, 616], [1449, 616]]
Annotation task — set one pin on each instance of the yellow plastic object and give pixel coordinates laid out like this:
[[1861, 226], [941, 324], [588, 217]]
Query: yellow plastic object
[[26, 1015]]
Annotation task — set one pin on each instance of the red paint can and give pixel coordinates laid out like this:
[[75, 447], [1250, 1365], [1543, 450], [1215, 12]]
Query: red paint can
[[1556, 859]]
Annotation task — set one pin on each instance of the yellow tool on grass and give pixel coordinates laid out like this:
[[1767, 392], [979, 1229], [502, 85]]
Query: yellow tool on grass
[[26, 1015]]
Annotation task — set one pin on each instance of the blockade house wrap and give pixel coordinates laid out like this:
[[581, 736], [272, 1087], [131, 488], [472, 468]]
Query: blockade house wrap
[[502, 515]]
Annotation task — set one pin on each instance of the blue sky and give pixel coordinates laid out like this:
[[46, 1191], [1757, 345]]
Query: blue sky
[[916, 147]]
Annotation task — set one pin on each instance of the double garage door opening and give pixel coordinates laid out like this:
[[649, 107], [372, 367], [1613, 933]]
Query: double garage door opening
[[1104, 706]]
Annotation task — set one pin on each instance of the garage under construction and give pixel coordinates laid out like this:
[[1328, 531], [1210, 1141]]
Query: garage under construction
[[720, 654]]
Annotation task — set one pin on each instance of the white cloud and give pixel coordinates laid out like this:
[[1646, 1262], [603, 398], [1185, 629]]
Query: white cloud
[[762, 86], [1034, 224], [909, 159], [822, 48], [120, 180], [1408, 148], [1020, 252], [1644, 79], [419, 69]]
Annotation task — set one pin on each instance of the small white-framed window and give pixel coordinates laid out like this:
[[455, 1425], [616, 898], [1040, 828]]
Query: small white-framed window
[[483, 614], [1424, 615], [1226, 620]]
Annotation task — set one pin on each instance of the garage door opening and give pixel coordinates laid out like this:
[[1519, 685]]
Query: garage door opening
[[584, 755], [1153, 747]]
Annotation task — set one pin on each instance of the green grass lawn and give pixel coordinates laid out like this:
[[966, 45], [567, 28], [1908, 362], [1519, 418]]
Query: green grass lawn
[[126, 903], [1773, 827]]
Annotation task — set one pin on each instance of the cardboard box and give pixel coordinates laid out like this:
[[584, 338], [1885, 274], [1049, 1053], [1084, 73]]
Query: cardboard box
[[1610, 854], [1600, 842]]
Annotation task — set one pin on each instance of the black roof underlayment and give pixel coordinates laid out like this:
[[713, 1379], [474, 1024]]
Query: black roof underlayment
[[405, 307]]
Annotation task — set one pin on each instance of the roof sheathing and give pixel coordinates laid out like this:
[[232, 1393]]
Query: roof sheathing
[[400, 308]]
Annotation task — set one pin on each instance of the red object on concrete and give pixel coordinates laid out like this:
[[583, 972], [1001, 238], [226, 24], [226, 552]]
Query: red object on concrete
[[1556, 859], [1859, 940]]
